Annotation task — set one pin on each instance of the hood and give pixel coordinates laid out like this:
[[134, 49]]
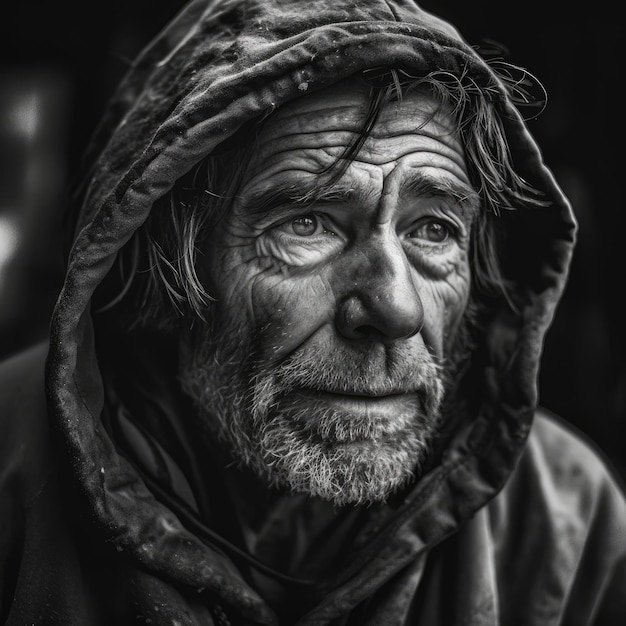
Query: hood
[[219, 64]]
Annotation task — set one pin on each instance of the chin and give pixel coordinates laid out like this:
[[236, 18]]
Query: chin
[[346, 451], [355, 473]]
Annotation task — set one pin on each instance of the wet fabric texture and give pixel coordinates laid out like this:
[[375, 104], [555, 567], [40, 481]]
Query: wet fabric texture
[[110, 512]]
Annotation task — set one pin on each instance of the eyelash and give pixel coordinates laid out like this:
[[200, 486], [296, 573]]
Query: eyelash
[[449, 230], [320, 221]]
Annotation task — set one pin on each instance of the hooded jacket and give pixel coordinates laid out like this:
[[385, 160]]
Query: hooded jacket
[[519, 522]]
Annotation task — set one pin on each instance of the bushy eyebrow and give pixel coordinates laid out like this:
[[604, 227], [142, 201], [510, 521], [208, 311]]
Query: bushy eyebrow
[[302, 195], [456, 191]]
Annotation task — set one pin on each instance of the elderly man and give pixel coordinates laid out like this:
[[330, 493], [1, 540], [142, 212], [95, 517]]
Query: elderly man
[[291, 376]]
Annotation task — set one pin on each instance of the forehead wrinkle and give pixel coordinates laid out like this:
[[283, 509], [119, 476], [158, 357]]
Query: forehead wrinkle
[[330, 119], [308, 145], [446, 145], [426, 113], [424, 126], [424, 154], [385, 207]]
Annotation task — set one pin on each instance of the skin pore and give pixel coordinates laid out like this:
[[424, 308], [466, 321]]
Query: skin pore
[[337, 302]]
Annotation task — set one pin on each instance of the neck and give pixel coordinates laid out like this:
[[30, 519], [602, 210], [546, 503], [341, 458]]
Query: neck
[[278, 527], [301, 538]]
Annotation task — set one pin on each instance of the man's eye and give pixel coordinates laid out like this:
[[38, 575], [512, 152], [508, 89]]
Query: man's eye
[[300, 241], [434, 231], [305, 226]]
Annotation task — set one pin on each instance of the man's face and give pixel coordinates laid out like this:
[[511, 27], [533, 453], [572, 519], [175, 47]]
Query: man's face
[[337, 304]]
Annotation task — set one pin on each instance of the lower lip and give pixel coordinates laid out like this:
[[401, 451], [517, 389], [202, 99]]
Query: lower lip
[[383, 406]]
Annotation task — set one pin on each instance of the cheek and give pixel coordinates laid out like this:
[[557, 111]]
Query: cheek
[[445, 302], [288, 309], [280, 308]]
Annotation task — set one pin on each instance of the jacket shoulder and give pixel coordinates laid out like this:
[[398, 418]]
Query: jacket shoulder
[[566, 494], [559, 526], [563, 473], [563, 481], [569, 459]]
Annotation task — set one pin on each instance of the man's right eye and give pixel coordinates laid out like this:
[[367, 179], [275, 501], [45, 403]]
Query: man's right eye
[[300, 240], [305, 226]]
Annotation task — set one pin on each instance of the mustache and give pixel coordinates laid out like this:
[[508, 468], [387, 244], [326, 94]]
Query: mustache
[[383, 370]]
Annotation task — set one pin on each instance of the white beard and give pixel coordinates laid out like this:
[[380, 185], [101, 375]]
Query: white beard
[[310, 447]]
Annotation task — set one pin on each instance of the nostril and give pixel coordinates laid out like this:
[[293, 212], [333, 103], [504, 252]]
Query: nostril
[[371, 332], [376, 320], [366, 332]]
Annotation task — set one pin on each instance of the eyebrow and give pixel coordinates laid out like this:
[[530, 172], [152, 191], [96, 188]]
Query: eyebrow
[[311, 191], [302, 195], [460, 193]]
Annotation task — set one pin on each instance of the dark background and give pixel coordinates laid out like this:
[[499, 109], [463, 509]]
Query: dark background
[[59, 62]]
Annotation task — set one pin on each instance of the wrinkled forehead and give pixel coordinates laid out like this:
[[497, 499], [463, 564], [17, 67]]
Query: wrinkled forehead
[[342, 109], [335, 127]]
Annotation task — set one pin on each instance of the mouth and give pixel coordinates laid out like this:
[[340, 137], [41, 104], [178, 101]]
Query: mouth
[[352, 419], [342, 416], [355, 399], [353, 395], [357, 394]]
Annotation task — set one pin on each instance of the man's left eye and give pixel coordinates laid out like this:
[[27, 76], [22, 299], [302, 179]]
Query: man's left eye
[[433, 231]]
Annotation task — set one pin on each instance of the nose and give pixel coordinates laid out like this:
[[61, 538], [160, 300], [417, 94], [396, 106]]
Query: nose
[[380, 302]]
